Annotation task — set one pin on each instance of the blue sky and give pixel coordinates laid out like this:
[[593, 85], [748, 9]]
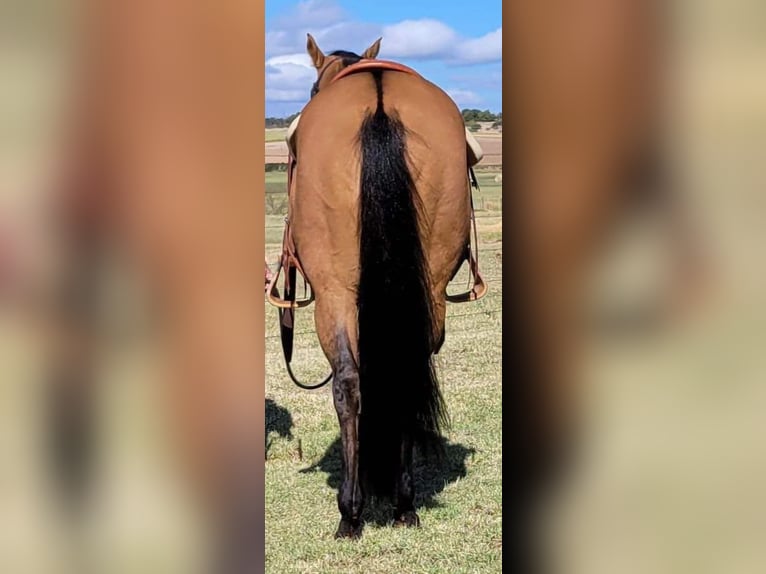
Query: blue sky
[[455, 45]]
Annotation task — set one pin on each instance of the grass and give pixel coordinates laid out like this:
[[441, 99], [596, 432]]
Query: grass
[[460, 506], [275, 134]]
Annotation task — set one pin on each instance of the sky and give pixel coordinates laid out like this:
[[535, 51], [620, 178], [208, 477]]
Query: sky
[[456, 45]]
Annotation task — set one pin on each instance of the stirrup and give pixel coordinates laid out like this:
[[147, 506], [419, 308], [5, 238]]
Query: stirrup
[[476, 292], [277, 301]]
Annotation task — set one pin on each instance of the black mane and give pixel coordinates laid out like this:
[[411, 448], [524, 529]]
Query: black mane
[[347, 58]]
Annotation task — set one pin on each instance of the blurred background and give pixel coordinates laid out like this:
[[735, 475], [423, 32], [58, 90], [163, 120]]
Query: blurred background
[[672, 476], [138, 517]]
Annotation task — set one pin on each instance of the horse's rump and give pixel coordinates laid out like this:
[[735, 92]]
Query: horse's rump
[[325, 199]]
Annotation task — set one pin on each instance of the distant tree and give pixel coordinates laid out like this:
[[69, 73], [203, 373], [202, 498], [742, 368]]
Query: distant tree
[[473, 126], [474, 115], [280, 122], [470, 115]]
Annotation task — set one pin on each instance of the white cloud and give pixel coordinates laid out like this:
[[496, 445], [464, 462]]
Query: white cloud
[[353, 36], [418, 39], [289, 78], [464, 98], [318, 13], [300, 59], [323, 19], [289, 74], [488, 48]]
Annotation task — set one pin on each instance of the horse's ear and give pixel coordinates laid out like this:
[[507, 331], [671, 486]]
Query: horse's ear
[[371, 52], [317, 57]]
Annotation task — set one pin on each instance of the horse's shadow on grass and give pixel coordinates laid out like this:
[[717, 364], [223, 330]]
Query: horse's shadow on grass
[[279, 421], [430, 478]]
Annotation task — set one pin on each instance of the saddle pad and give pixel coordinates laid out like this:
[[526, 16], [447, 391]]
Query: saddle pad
[[475, 153], [291, 134]]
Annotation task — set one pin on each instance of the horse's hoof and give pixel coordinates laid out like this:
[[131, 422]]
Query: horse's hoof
[[409, 519], [348, 530]]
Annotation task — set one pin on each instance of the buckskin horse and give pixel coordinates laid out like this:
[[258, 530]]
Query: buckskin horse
[[379, 223]]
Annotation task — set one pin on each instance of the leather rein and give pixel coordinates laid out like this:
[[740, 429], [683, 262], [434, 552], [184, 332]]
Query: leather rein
[[290, 263]]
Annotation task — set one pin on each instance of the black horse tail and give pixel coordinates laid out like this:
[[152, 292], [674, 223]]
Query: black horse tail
[[401, 402]]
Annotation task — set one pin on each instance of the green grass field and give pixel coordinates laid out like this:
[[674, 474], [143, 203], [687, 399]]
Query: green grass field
[[460, 506]]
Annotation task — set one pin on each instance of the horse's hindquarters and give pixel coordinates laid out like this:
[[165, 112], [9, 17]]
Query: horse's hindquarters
[[325, 207]]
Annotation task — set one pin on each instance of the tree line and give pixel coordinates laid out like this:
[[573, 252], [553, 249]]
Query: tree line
[[280, 122], [474, 115]]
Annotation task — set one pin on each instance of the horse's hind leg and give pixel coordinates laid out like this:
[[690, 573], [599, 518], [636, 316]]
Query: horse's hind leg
[[405, 514], [346, 397]]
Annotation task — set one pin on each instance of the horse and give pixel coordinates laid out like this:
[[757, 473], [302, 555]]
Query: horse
[[379, 223], [157, 162]]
